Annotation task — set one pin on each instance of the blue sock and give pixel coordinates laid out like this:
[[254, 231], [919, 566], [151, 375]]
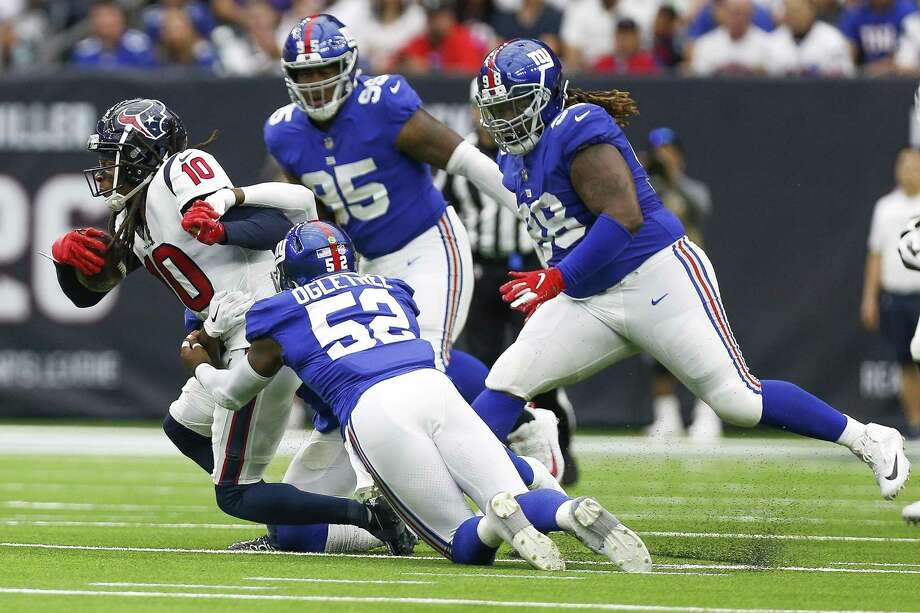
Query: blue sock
[[523, 468], [499, 410], [789, 407], [468, 373], [467, 548], [540, 508], [310, 537]]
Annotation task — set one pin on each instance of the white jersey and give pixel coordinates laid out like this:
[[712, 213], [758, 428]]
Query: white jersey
[[193, 270]]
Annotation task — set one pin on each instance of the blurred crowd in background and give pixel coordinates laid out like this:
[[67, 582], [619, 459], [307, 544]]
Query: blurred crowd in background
[[636, 37]]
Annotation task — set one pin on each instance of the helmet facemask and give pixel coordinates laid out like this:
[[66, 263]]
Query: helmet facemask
[[513, 118], [321, 100], [118, 166]]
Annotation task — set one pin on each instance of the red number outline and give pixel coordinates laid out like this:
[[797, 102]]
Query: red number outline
[[189, 269]]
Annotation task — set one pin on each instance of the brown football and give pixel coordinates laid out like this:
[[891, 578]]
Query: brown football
[[113, 271]]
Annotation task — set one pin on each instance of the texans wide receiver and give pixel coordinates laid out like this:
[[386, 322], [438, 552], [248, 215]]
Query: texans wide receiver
[[175, 211]]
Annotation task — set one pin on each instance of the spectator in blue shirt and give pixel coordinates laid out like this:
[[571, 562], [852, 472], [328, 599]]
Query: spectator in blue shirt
[[873, 29], [112, 45], [198, 12], [707, 20], [181, 44]]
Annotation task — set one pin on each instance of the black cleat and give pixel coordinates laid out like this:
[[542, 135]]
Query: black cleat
[[571, 474], [260, 544], [389, 528]]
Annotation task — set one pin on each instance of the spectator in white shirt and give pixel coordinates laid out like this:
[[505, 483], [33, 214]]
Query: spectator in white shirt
[[588, 28], [805, 46], [907, 56], [891, 292], [735, 47]]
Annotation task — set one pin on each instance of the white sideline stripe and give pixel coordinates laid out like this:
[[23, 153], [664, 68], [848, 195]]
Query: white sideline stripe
[[419, 601], [809, 569], [196, 585], [81, 506], [786, 537], [898, 564], [359, 581], [123, 524], [499, 575]]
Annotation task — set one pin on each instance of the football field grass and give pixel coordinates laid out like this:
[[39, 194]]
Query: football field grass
[[109, 519]]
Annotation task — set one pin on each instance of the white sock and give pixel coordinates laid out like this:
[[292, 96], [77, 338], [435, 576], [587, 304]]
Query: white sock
[[487, 533], [541, 476], [852, 433], [342, 539], [564, 516], [667, 409]]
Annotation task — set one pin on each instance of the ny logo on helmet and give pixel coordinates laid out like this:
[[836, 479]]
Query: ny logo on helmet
[[542, 59], [146, 116]]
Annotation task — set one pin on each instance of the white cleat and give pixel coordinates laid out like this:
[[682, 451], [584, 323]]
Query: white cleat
[[539, 438], [706, 424], [536, 548], [911, 513], [882, 448], [603, 533]]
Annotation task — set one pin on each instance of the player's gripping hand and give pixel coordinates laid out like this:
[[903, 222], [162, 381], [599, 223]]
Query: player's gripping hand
[[528, 290], [227, 311], [203, 222], [82, 249], [909, 245], [193, 352]]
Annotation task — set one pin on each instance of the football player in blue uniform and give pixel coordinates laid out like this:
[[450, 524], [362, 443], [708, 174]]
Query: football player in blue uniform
[[365, 146], [620, 276], [355, 340]]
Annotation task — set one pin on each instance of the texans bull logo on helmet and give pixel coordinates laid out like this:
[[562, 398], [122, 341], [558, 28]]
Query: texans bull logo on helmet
[[145, 116]]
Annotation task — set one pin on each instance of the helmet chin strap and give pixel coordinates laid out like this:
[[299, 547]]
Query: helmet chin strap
[[117, 202]]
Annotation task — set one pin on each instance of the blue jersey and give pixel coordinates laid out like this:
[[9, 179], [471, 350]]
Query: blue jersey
[[342, 333], [556, 217], [380, 196], [876, 34]]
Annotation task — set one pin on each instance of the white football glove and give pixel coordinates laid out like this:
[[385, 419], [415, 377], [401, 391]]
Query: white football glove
[[221, 200], [227, 311], [909, 245]]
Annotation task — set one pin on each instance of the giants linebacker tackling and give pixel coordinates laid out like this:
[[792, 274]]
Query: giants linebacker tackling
[[162, 195], [355, 341], [621, 276]]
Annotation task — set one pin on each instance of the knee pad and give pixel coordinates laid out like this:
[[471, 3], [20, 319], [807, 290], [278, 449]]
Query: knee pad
[[735, 403]]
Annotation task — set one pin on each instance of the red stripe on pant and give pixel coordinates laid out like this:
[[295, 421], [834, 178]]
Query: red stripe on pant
[[234, 458], [453, 298]]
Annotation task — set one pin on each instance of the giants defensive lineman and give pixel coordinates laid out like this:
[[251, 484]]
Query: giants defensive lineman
[[355, 340], [153, 184], [621, 276]]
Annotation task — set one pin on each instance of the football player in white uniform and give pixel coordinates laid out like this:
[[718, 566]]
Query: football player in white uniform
[[175, 211]]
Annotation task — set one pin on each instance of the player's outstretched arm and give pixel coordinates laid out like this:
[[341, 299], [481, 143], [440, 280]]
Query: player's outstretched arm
[[233, 387], [425, 139], [84, 273]]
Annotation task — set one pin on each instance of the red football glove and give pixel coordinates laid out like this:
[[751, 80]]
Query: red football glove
[[82, 249], [528, 290], [201, 221]]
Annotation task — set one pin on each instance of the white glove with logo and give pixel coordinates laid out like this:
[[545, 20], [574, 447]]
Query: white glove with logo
[[909, 245], [227, 311]]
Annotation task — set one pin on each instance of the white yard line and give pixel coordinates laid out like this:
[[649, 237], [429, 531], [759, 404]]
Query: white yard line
[[498, 576], [785, 537], [125, 524], [83, 506], [895, 564], [419, 601], [807, 569], [194, 585], [356, 581]]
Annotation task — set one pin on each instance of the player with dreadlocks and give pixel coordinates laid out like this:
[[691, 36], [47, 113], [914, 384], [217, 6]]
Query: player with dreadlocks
[[175, 211], [621, 276]]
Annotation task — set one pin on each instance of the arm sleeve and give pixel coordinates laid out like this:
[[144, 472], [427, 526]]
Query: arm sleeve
[[80, 295], [296, 201], [470, 162], [255, 227], [234, 387]]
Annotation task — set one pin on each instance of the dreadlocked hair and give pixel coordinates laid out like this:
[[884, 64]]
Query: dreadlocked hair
[[210, 140], [618, 104], [123, 234]]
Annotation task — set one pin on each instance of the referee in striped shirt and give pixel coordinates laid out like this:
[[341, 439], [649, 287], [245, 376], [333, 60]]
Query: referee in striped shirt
[[500, 242]]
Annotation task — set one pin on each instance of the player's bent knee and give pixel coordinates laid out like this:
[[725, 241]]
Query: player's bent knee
[[230, 499], [735, 403], [511, 374]]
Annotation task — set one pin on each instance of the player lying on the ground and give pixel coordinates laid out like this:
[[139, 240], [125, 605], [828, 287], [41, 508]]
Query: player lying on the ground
[[365, 146], [154, 185], [621, 276], [355, 341]]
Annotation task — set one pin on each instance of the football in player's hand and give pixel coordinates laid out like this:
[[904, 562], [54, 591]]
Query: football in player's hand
[[113, 271]]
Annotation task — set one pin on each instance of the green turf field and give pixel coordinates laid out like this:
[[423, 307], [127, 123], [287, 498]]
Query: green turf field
[[757, 524]]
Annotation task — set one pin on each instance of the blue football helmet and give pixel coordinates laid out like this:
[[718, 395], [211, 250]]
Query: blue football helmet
[[132, 139], [312, 249], [521, 89], [316, 42]]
